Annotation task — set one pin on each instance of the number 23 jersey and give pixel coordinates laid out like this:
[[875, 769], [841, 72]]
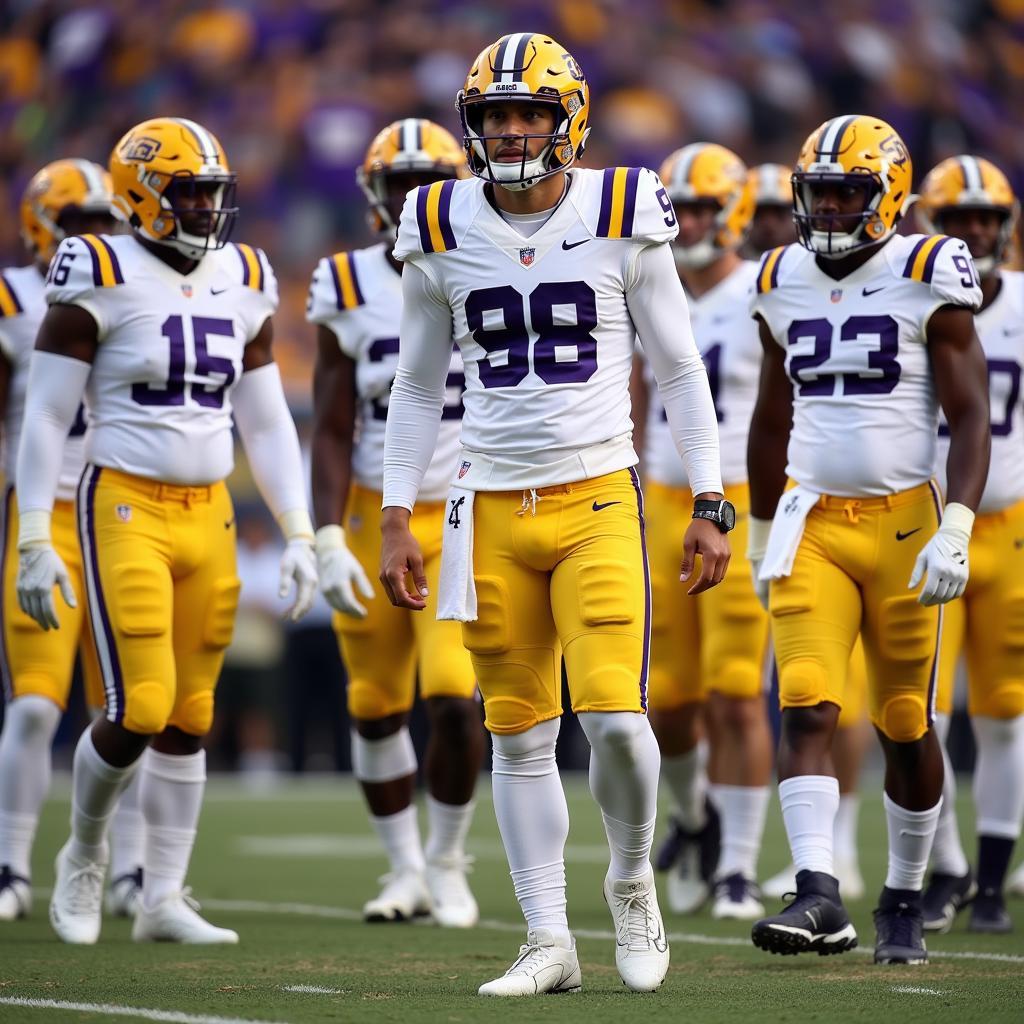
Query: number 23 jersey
[[170, 351], [865, 412], [542, 322]]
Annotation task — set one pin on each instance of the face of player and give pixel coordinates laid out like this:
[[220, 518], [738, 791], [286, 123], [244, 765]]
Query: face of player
[[979, 228], [772, 226], [194, 202], [398, 185], [836, 206], [512, 120], [695, 221], [74, 221]]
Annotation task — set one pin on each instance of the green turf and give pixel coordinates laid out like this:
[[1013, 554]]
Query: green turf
[[410, 973]]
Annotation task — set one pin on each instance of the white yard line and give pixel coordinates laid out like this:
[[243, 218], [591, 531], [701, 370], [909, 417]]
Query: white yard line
[[915, 990], [312, 990], [172, 1016]]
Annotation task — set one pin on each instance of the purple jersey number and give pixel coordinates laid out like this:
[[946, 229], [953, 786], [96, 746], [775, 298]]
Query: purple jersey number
[[380, 349], [1012, 369], [882, 360]]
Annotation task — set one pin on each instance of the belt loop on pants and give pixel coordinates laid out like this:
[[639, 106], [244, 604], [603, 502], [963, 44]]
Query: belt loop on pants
[[851, 509]]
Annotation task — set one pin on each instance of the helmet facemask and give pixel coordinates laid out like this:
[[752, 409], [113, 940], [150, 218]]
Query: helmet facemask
[[846, 232], [193, 230], [708, 249], [386, 200]]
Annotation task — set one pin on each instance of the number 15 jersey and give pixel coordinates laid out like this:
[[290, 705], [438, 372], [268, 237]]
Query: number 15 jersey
[[865, 413], [170, 351]]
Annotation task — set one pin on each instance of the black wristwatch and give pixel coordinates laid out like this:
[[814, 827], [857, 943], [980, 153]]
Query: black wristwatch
[[721, 513]]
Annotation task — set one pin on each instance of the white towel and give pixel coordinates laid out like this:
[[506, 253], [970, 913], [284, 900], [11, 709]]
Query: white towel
[[456, 597], [787, 531]]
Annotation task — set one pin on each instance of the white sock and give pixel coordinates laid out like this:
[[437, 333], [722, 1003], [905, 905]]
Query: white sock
[[171, 797], [809, 807], [999, 776], [448, 825], [95, 787], [742, 810], [533, 819], [383, 760], [845, 828], [29, 725], [400, 835], [948, 857], [910, 841], [127, 832], [687, 780]]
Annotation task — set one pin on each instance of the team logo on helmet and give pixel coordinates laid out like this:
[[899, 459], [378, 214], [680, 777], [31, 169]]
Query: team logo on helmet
[[141, 150]]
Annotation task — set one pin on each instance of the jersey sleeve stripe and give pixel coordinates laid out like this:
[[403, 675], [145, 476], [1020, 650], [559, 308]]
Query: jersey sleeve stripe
[[604, 217], [9, 304], [629, 209], [618, 202], [445, 213], [115, 265], [921, 260], [343, 269], [929, 265], [105, 270], [433, 216], [252, 270], [768, 275]]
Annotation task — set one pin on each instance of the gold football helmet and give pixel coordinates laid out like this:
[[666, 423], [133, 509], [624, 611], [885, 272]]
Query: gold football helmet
[[705, 172], [412, 146], [531, 67], [969, 182], [53, 192], [772, 185], [162, 160], [853, 150]]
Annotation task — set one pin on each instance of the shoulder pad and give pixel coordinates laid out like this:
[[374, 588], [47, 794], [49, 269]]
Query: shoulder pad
[[82, 266], [945, 265], [768, 271], [435, 215], [334, 288], [106, 270], [10, 304], [256, 273], [634, 205]]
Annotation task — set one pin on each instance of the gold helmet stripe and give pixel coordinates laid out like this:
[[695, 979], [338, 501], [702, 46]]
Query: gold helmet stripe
[[830, 142], [9, 304], [508, 61], [207, 147]]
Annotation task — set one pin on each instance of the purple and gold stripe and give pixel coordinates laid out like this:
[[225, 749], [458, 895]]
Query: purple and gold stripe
[[768, 275], [106, 270], [921, 261], [830, 142], [9, 304], [646, 661], [252, 268], [433, 216], [346, 281], [6, 678], [933, 678], [618, 202]]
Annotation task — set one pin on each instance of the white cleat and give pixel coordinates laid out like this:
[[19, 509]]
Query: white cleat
[[124, 894], [15, 895], [405, 896], [737, 899], [687, 890], [1015, 883], [77, 900], [451, 898], [541, 967], [641, 946], [175, 919]]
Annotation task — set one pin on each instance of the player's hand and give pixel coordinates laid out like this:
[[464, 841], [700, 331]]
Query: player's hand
[[400, 557], [298, 566], [942, 563], [705, 539], [40, 569], [340, 572], [761, 587]]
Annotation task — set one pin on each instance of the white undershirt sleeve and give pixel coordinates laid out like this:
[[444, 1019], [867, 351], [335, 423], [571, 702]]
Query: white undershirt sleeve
[[418, 394], [657, 305]]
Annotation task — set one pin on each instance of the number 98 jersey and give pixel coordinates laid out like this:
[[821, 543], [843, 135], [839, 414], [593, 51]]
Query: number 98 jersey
[[865, 414], [542, 322], [170, 351]]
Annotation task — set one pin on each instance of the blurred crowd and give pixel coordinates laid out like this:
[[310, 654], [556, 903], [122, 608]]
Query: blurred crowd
[[295, 89]]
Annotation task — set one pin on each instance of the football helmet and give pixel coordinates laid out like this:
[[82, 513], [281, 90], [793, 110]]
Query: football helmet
[[531, 67], [705, 172], [53, 191], [157, 162], [852, 150], [413, 145], [974, 183], [772, 185]]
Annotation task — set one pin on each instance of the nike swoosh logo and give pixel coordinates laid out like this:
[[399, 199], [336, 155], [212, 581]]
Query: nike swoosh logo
[[909, 533], [217, 291], [597, 508], [229, 523], [572, 245], [871, 291]]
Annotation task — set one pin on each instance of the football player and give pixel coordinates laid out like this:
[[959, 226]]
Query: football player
[[544, 276], [356, 302], [772, 224], [67, 197], [167, 330], [865, 334], [969, 198], [708, 655]]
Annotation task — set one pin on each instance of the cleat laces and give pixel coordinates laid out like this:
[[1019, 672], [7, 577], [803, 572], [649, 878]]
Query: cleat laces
[[634, 926], [85, 889]]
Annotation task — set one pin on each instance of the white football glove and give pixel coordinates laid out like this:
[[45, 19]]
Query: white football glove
[[40, 569], [298, 562], [757, 544], [340, 572], [942, 562]]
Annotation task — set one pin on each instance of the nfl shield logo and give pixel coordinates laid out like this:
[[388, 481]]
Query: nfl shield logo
[[124, 513], [186, 290], [464, 469], [526, 257], [836, 295]]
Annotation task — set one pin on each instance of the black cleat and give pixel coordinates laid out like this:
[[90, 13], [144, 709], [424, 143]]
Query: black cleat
[[988, 913], [944, 897], [707, 839], [899, 928], [815, 922]]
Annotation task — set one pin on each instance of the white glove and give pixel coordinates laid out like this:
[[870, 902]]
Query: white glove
[[757, 544], [942, 562], [298, 563], [339, 570], [39, 571]]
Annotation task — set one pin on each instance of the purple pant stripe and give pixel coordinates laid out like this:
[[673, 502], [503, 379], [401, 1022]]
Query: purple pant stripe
[[5, 666], [933, 679]]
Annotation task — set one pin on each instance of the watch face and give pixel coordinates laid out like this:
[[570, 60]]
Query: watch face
[[728, 515]]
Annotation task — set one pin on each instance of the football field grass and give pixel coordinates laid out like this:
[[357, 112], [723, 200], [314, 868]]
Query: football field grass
[[289, 869]]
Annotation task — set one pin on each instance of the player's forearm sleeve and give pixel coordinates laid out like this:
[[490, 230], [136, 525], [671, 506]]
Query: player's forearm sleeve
[[55, 387], [657, 305], [267, 430], [417, 396]]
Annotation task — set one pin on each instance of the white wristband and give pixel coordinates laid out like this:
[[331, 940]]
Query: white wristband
[[957, 517], [34, 529], [757, 538], [330, 538], [296, 525]]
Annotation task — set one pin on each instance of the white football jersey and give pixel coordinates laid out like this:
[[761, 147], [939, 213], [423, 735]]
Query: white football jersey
[[170, 351], [542, 322], [865, 414], [22, 306], [1000, 328], [358, 296], [731, 350]]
